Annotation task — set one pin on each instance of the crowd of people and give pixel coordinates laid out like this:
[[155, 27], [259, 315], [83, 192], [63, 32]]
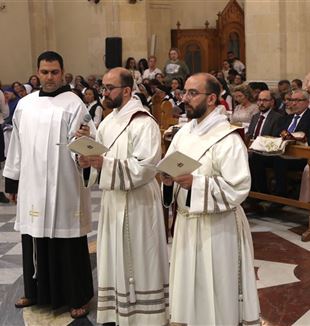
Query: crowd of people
[[211, 278]]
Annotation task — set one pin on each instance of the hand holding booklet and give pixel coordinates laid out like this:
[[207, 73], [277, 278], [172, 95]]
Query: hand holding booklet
[[87, 146], [177, 163]]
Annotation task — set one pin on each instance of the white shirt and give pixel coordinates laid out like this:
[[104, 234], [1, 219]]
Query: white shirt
[[150, 74], [300, 116]]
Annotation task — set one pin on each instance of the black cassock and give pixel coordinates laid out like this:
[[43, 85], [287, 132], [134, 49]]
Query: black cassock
[[62, 276]]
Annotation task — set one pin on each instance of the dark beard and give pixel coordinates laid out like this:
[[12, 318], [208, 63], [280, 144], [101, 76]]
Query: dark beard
[[198, 112], [263, 110], [114, 104]]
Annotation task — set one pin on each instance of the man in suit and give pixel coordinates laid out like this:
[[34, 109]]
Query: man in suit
[[284, 87], [299, 120], [263, 123]]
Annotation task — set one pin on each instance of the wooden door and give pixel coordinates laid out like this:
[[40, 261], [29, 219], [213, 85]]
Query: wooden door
[[205, 49]]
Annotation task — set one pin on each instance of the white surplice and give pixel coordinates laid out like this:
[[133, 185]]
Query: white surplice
[[52, 201], [131, 235], [212, 243]]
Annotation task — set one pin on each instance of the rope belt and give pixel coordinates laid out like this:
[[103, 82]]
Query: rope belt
[[189, 215]]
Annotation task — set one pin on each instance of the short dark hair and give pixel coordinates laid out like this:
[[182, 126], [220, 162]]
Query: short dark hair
[[213, 86], [50, 56], [298, 82], [127, 65], [262, 86], [284, 81], [96, 95], [126, 79], [232, 72]]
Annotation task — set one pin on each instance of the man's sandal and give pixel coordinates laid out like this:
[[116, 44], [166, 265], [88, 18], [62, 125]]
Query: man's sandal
[[79, 312], [24, 302]]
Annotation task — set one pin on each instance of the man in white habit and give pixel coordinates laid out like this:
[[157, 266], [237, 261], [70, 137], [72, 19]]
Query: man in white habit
[[131, 245], [53, 207], [212, 280]]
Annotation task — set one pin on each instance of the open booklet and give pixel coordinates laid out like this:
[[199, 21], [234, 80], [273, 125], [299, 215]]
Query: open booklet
[[177, 163], [87, 146]]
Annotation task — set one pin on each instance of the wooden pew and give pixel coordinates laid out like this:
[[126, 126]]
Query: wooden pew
[[294, 151]]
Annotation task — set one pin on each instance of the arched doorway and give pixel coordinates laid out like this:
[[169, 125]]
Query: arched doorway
[[193, 56]]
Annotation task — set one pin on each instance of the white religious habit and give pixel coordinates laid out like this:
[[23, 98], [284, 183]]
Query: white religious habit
[[212, 280], [53, 202], [131, 244]]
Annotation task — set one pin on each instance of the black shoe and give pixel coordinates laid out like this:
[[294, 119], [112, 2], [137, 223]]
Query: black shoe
[[3, 198]]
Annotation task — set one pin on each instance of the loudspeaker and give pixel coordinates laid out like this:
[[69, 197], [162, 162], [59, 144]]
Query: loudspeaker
[[113, 52]]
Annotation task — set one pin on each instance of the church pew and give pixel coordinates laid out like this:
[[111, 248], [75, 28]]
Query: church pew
[[293, 151]]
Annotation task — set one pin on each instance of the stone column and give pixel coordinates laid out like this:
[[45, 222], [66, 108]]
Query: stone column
[[15, 49], [277, 37], [42, 27]]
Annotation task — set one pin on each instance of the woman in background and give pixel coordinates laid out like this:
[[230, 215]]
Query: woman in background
[[136, 75], [92, 102], [34, 82], [142, 65], [245, 109]]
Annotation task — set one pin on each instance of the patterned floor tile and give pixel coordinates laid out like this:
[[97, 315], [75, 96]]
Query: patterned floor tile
[[281, 261], [9, 237], [5, 217], [10, 275], [16, 250], [6, 247], [7, 227]]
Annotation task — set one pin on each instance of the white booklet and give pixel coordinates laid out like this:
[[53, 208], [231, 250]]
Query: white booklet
[[177, 163], [87, 146]]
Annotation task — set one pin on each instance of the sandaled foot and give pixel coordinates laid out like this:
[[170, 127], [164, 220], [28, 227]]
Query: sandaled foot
[[79, 312], [24, 302]]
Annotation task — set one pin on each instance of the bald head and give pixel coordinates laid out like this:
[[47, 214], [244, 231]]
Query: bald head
[[117, 86], [209, 82], [121, 75]]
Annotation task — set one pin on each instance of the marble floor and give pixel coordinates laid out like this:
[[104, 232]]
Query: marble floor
[[282, 263]]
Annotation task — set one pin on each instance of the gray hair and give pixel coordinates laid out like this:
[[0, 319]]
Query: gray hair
[[303, 92]]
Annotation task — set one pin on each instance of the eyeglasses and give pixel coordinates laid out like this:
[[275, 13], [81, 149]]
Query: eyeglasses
[[296, 99], [109, 88], [263, 100], [191, 93]]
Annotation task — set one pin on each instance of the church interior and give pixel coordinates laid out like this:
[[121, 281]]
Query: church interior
[[270, 37]]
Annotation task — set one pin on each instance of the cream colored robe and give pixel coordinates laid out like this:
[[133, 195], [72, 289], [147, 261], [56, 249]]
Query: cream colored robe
[[131, 235], [52, 200], [204, 262]]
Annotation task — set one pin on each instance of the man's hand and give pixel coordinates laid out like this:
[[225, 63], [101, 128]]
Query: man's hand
[[166, 179], [185, 181], [83, 161], [12, 197], [83, 131], [93, 160]]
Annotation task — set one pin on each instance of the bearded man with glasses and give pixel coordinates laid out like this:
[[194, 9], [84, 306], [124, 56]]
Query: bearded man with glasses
[[264, 123], [131, 244], [212, 280]]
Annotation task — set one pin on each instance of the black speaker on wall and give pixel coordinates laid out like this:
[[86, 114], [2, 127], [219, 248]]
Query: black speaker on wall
[[113, 52]]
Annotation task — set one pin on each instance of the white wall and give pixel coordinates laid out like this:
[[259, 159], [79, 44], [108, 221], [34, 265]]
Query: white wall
[[15, 44]]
